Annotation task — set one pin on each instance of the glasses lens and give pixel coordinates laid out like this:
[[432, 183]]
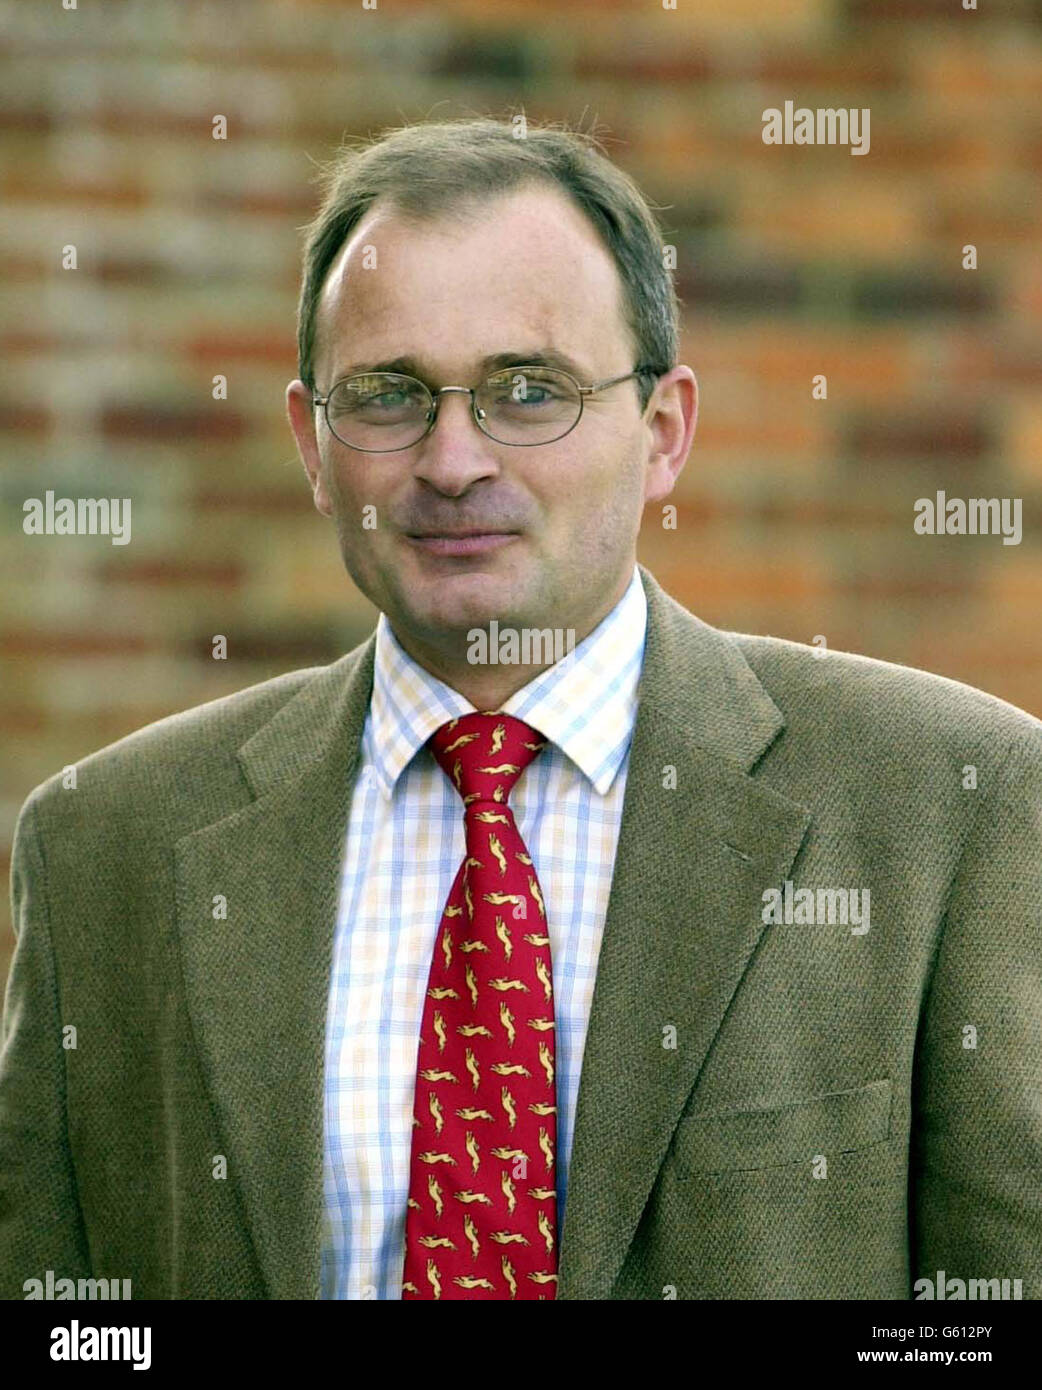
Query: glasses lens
[[528, 405], [379, 411]]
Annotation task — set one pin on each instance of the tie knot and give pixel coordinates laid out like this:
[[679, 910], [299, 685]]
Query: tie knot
[[484, 754]]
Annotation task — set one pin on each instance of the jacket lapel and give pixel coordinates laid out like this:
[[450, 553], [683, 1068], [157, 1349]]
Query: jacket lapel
[[682, 924], [257, 983]]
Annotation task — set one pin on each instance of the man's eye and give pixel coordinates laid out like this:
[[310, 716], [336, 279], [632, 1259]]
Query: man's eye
[[375, 401], [525, 390]]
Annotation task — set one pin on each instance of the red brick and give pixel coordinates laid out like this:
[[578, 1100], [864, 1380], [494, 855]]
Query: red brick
[[214, 574], [166, 424]]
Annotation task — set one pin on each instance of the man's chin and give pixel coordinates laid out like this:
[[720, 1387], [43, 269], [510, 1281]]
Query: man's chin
[[453, 605], [460, 609]]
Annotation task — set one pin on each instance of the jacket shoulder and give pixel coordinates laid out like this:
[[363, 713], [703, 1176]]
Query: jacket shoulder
[[184, 750], [866, 696]]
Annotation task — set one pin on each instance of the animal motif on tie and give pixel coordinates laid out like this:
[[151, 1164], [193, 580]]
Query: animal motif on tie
[[509, 1107], [473, 1068], [485, 1060], [542, 973], [510, 1153], [469, 1113], [548, 1153], [434, 1105], [461, 742], [434, 1191], [497, 853], [471, 1233], [533, 888], [546, 1231], [507, 1186], [437, 1243], [503, 935], [472, 1150], [506, 1018]]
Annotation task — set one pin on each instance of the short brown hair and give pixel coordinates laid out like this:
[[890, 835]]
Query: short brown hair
[[427, 170]]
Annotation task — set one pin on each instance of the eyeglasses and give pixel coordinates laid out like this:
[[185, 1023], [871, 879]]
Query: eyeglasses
[[381, 412]]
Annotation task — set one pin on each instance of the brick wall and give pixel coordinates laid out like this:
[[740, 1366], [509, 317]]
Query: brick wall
[[794, 513]]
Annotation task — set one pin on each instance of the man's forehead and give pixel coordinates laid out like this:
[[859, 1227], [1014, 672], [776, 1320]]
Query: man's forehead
[[525, 275], [534, 218]]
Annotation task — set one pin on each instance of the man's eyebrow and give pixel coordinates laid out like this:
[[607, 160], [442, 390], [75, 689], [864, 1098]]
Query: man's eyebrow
[[495, 362]]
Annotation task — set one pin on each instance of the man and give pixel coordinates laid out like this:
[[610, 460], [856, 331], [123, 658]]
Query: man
[[680, 963]]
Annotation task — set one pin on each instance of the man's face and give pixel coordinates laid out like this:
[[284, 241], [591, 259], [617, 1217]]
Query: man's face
[[524, 274]]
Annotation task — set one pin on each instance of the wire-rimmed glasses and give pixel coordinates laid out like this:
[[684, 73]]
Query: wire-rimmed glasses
[[382, 412]]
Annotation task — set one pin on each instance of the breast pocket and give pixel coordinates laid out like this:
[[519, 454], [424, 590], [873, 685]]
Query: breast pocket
[[722, 1141]]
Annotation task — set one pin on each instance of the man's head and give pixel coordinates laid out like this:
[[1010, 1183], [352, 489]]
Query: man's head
[[437, 250]]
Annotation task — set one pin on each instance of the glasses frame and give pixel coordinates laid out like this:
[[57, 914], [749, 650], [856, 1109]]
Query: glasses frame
[[476, 414]]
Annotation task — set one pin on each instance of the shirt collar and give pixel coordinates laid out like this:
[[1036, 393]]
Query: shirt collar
[[586, 703]]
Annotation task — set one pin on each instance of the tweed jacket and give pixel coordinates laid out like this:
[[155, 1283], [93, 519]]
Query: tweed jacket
[[774, 1102]]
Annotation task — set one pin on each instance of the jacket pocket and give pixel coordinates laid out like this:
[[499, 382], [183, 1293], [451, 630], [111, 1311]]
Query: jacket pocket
[[722, 1141]]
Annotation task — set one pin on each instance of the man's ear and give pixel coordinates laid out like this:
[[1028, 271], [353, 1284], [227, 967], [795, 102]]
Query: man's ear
[[301, 412], [670, 417]]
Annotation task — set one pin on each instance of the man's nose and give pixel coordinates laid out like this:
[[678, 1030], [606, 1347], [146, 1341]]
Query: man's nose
[[455, 452]]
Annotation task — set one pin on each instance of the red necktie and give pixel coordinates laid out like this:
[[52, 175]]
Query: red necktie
[[482, 1215]]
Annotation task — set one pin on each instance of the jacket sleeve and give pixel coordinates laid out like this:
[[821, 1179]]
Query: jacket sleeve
[[976, 1162], [41, 1226]]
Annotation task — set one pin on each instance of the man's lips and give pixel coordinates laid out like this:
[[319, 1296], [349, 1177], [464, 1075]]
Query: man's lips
[[472, 542]]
